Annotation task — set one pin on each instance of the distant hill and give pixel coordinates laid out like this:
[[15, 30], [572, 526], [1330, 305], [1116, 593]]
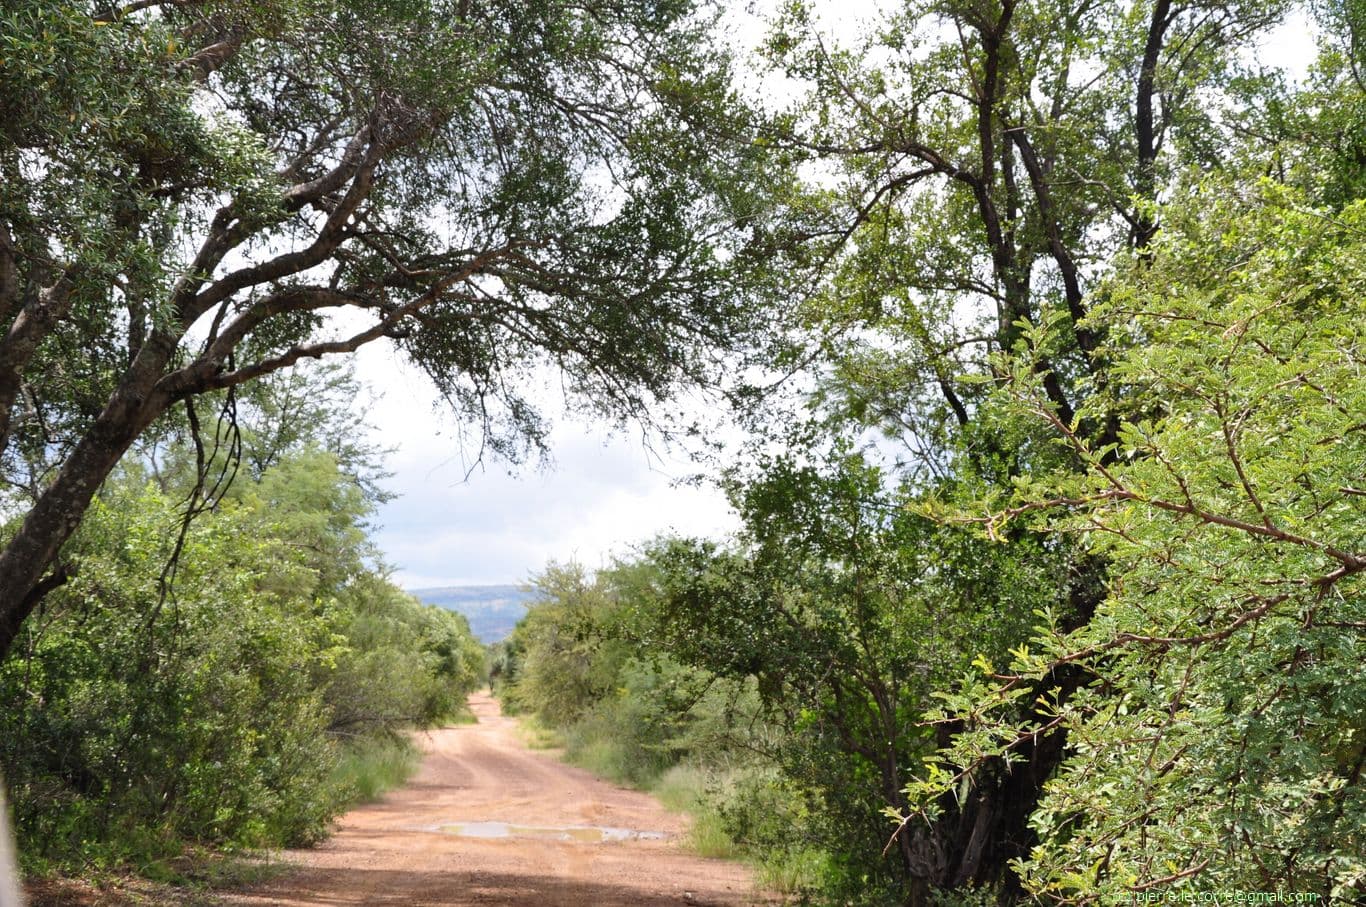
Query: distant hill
[[491, 610]]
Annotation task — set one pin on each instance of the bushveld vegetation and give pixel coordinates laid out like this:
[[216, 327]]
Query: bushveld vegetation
[[845, 672], [236, 683], [1049, 581], [587, 670], [197, 199]]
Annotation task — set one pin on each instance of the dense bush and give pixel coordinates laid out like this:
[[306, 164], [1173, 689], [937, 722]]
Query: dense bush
[[1218, 746], [592, 660], [144, 709]]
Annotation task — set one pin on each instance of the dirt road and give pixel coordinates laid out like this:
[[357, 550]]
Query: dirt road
[[487, 821]]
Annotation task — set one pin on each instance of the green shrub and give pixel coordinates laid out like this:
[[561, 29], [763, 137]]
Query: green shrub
[[243, 707], [616, 740], [683, 788]]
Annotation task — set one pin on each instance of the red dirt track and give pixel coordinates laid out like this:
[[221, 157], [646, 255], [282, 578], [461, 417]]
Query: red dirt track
[[395, 853]]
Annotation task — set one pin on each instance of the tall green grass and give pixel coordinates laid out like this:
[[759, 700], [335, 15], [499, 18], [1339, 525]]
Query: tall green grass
[[538, 735], [371, 766], [706, 795], [793, 872], [737, 810], [683, 788]]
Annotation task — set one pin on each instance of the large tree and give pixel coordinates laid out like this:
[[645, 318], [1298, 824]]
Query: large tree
[[197, 193], [1218, 744], [984, 164]]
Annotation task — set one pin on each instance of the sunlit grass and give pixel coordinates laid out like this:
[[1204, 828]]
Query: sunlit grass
[[708, 837], [682, 788], [369, 767], [793, 872], [690, 789], [538, 736]]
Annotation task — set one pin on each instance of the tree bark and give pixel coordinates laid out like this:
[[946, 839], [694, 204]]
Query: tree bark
[[1145, 125], [25, 561], [9, 868]]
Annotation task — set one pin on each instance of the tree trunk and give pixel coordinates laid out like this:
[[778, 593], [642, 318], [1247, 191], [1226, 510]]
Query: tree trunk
[[975, 841], [27, 559], [9, 866]]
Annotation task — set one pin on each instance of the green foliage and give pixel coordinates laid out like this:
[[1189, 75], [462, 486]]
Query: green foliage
[[1219, 746], [201, 195], [1092, 629], [848, 610], [587, 664], [246, 703], [405, 663], [372, 765], [980, 163], [987, 215], [566, 663], [133, 729], [1140, 672], [773, 689]]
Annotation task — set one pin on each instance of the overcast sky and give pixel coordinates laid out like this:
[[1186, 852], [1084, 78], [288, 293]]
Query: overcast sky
[[603, 494]]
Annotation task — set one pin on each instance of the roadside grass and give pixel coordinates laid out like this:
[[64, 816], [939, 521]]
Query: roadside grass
[[200, 871], [690, 789], [369, 767], [708, 837], [167, 872], [157, 869], [601, 757], [794, 872], [682, 789], [537, 735], [463, 716], [704, 793], [698, 793]]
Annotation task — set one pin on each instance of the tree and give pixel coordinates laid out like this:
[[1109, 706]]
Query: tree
[[1219, 745], [849, 611], [561, 646], [313, 404], [198, 194], [987, 163], [229, 708]]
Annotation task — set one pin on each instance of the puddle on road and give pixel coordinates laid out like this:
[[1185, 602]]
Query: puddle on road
[[584, 834]]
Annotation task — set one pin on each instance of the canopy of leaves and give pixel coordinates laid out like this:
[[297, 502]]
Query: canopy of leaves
[[199, 194], [1220, 745]]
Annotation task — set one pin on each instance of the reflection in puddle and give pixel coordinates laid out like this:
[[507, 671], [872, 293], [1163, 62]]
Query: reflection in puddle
[[584, 834]]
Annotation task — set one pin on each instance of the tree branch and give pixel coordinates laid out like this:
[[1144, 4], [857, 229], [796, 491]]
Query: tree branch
[[1145, 183]]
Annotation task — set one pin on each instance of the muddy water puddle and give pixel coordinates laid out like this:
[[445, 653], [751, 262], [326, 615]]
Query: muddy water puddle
[[583, 834]]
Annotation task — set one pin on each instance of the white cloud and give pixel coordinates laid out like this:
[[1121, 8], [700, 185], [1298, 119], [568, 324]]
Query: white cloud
[[601, 495]]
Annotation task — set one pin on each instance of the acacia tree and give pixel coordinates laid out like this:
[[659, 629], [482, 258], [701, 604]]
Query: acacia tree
[[992, 159], [198, 193], [1219, 745]]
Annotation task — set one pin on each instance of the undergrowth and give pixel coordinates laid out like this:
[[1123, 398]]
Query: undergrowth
[[717, 801], [371, 766]]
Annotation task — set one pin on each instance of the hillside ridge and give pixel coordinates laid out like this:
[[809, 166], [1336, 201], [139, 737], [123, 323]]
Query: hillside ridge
[[492, 610]]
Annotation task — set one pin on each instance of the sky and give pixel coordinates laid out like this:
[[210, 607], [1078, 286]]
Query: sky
[[604, 492]]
